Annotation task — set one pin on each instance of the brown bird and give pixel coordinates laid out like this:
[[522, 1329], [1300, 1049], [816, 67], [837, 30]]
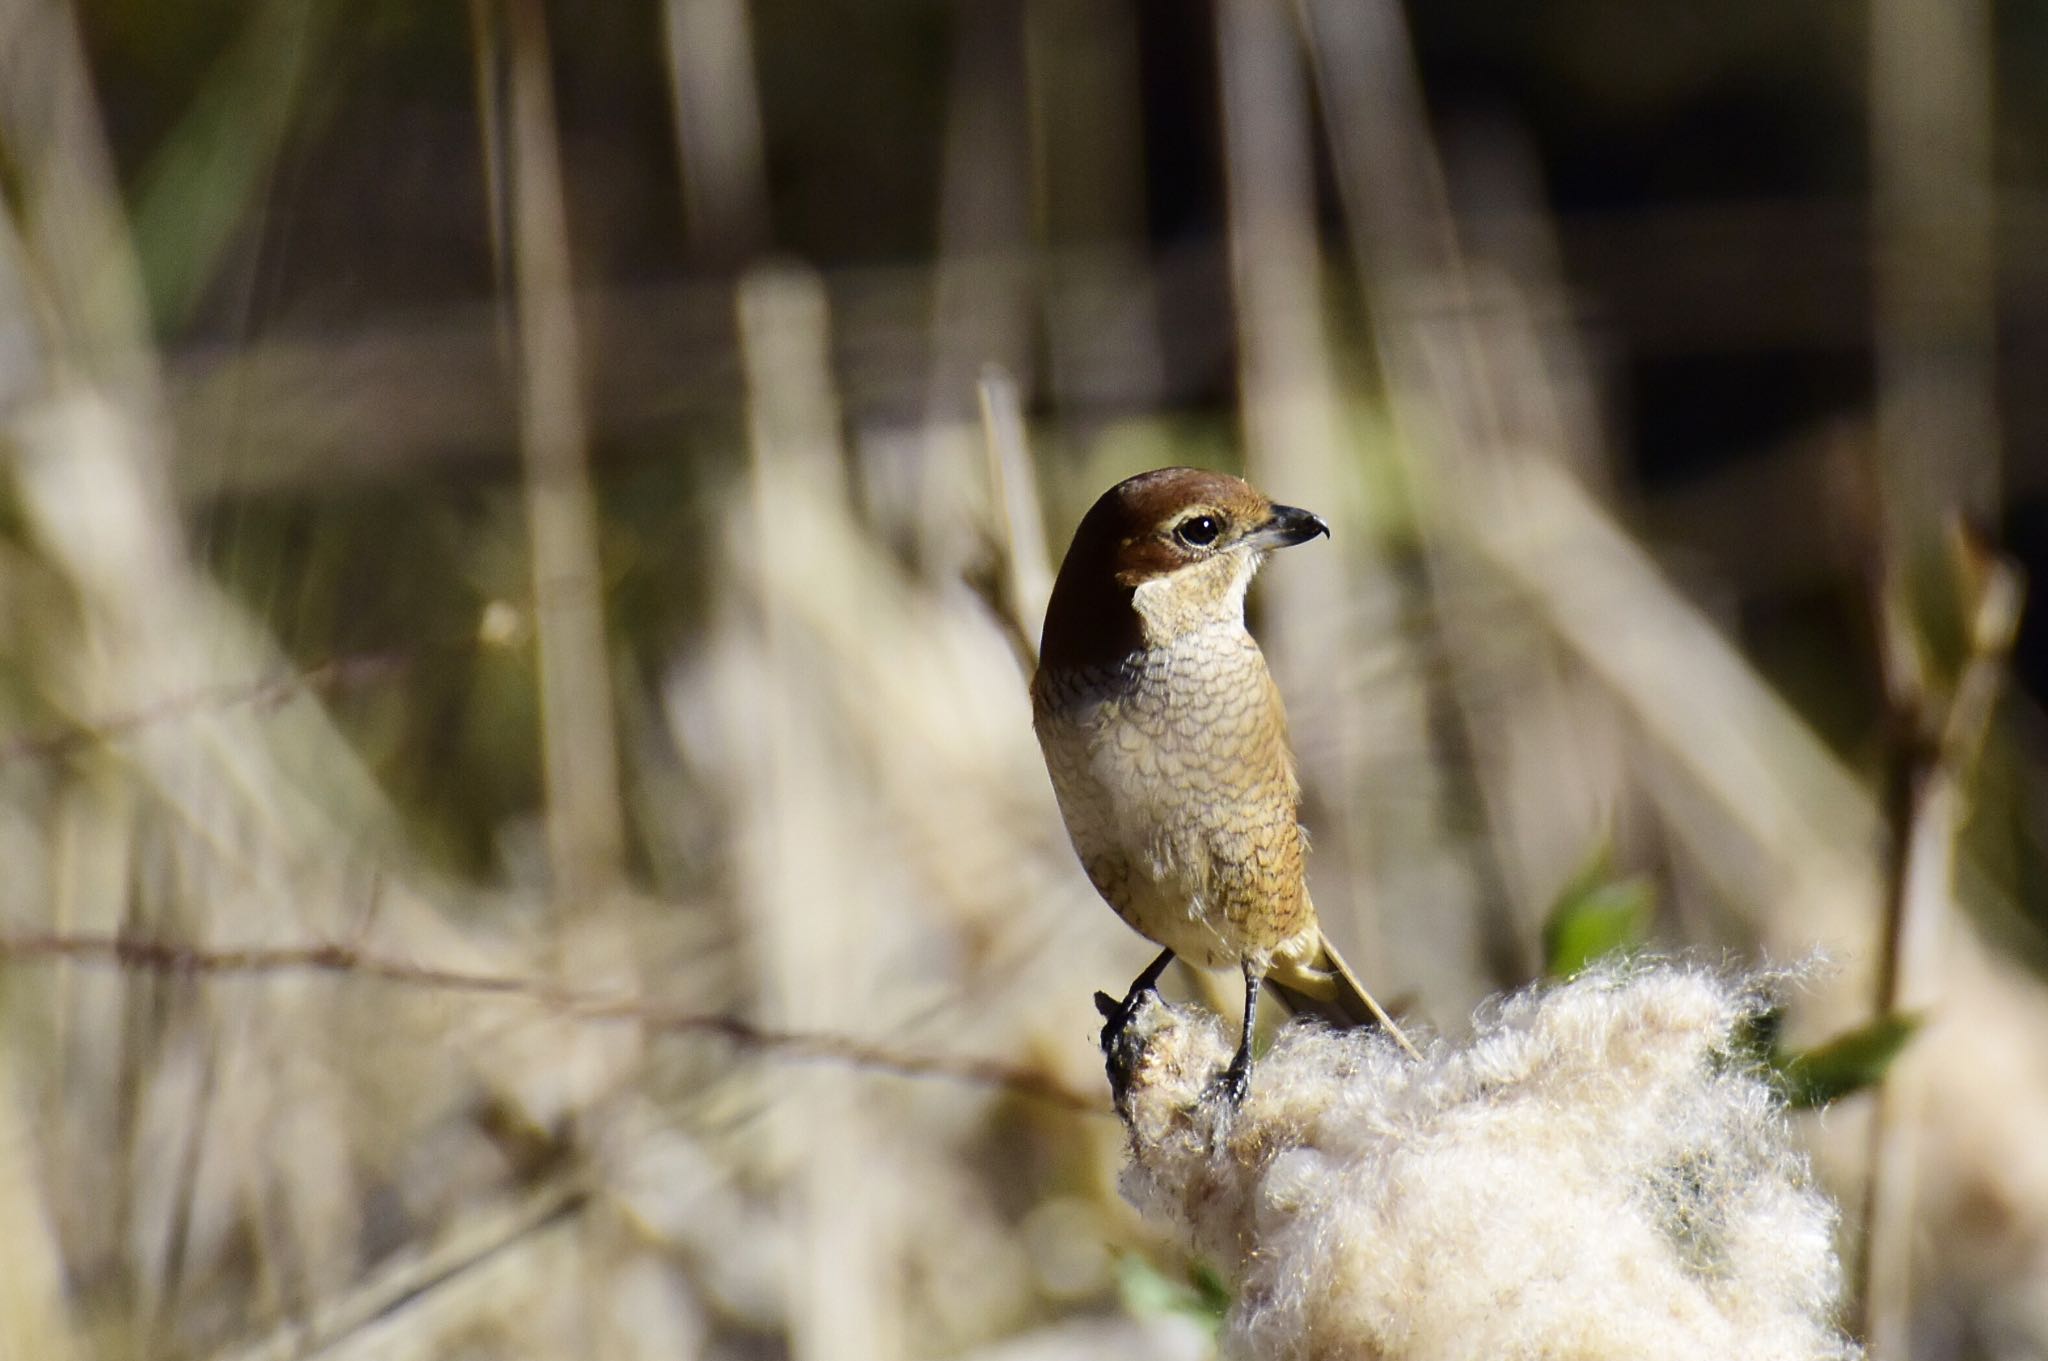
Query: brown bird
[[1167, 743]]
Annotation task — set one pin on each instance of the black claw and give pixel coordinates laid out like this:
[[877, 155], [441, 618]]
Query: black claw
[[1232, 1085], [1123, 1050], [1120, 1047], [1117, 1015]]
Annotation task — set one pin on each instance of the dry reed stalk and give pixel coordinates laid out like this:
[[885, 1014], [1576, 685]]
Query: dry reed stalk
[[1930, 93], [1098, 294], [84, 289], [579, 745], [980, 305], [208, 1143], [214, 817], [1026, 567], [814, 927], [710, 50], [1297, 447], [1474, 398], [36, 1318], [583, 812], [901, 869]]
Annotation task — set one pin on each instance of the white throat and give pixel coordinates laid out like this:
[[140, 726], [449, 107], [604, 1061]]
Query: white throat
[[1197, 598]]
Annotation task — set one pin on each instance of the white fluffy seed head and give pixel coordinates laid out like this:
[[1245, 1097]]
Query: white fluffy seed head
[[1595, 1174]]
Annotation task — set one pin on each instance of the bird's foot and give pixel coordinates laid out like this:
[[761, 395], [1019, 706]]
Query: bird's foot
[[1116, 1016], [1232, 1085], [1123, 1044]]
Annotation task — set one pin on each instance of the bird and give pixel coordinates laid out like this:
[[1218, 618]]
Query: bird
[[1166, 742]]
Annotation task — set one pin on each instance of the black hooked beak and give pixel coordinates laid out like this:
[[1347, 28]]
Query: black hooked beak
[[1290, 525]]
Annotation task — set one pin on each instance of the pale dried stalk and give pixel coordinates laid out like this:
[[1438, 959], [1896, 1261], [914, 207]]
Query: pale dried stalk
[[35, 1315], [85, 287], [232, 818], [1013, 491], [1099, 301], [1473, 399], [579, 749], [980, 300], [815, 929], [718, 126], [1293, 424]]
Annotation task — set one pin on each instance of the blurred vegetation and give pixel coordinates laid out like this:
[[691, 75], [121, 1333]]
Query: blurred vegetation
[[1597, 353]]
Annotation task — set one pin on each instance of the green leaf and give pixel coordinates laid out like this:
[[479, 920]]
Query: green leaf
[[1148, 1290], [1755, 1041], [1845, 1064], [1596, 916], [212, 171], [1210, 1290]]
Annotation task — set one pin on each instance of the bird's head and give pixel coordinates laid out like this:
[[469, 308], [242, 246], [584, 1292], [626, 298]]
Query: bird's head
[[1160, 555]]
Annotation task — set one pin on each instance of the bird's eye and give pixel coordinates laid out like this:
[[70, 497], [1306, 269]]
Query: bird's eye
[[1198, 531]]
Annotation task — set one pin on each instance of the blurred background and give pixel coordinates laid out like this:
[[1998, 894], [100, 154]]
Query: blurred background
[[521, 537]]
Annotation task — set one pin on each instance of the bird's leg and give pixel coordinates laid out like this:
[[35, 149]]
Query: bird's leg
[[1236, 1080], [1118, 1014]]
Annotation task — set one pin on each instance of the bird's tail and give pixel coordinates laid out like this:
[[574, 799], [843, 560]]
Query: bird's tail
[[1323, 985]]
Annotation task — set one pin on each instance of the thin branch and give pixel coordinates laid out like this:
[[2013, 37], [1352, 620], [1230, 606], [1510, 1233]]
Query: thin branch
[[334, 957], [340, 673], [1926, 805], [459, 1257]]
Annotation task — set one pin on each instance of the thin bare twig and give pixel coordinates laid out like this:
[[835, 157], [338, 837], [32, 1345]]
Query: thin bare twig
[[422, 1277], [340, 673], [1926, 805], [335, 957]]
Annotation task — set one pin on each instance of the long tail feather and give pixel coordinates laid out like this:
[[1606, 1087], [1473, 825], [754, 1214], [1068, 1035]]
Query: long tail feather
[[1325, 987]]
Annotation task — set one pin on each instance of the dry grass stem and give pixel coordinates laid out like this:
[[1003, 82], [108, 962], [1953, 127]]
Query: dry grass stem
[[1318, 617], [432, 1294], [1026, 567], [579, 746], [573, 1004], [342, 674], [710, 48]]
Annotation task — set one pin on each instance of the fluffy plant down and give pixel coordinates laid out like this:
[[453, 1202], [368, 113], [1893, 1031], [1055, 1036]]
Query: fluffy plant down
[[1594, 1174]]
